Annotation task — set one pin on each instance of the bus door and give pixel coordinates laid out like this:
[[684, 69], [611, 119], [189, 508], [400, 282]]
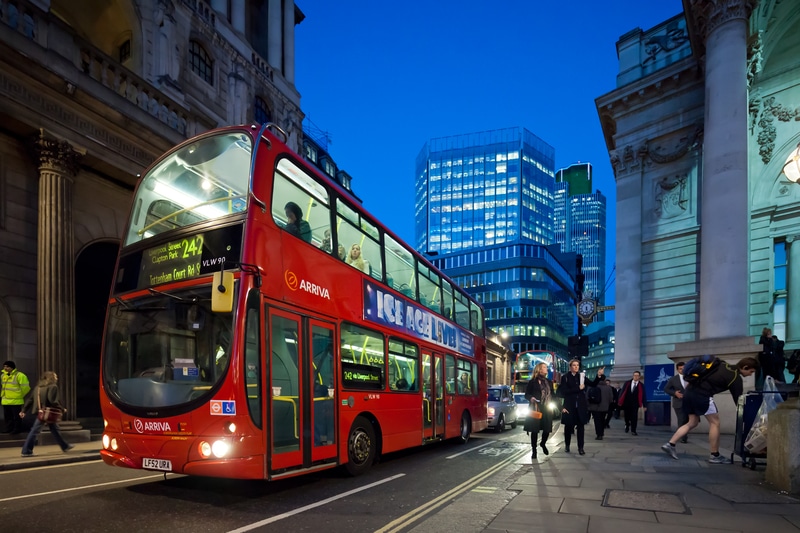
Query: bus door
[[432, 396], [300, 432]]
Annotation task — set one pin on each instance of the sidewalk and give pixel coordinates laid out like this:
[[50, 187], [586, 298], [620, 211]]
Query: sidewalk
[[44, 455], [626, 483]]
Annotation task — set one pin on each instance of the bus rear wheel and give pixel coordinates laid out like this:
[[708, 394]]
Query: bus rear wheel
[[466, 428], [361, 447]]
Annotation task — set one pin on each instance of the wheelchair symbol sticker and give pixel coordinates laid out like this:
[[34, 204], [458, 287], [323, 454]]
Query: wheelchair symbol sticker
[[223, 407]]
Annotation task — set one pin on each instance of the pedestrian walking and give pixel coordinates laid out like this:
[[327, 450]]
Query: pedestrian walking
[[575, 411], [698, 400], [539, 392], [15, 387], [599, 411], [44, 395], [632, 398], [675, 387], [613, 410]]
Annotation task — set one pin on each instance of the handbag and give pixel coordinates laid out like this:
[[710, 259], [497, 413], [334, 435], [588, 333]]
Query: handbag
[[48, 415]]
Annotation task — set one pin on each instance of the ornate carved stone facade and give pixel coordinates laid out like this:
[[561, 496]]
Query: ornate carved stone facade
[[87, 102], [677, 183]]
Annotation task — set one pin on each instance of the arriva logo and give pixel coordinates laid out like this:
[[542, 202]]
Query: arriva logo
[[142, 426], [294, 283]]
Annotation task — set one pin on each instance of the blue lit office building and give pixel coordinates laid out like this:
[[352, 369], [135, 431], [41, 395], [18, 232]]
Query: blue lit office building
[[580, 224], [484, 188], [525, 289], [484, 215]]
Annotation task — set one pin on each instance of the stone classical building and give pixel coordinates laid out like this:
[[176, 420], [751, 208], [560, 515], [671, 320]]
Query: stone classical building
[[703, 119], [91, 92]]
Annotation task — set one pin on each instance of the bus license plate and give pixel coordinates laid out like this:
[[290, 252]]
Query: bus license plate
[[157, 464]]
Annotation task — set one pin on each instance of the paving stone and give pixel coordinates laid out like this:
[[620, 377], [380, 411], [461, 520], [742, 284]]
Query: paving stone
[[645, 500], [747, 493]]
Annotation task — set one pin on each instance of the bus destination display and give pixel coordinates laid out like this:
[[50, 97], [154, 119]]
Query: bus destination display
[[180, 259]]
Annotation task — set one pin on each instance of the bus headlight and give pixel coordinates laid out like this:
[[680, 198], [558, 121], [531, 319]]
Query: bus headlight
[[205, 450], [220, 448], [106, 441]]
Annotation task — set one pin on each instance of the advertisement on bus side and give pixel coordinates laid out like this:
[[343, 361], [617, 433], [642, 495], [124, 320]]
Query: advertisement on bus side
[[390, 310]]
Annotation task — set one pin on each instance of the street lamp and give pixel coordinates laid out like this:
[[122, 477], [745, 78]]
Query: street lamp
[[791, 168]]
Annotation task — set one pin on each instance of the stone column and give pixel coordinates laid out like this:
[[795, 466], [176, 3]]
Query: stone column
[[793, 289], [724, 255], [55, 306], [288, 41], [238, 15], [628, 307], [274, 37]]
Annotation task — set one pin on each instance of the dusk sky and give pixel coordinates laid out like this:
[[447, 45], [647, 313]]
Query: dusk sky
[[382, 78]]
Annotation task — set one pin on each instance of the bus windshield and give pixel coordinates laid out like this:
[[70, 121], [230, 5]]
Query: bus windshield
[[167, 349], [204, 180]]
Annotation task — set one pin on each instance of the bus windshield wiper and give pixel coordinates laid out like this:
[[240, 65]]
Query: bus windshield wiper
[[179, 298]]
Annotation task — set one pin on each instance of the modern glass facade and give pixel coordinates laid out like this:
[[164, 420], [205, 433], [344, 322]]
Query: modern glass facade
[[483, 189], [525, 290], [580, 222]]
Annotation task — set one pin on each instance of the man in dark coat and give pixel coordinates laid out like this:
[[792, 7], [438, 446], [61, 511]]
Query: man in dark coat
[[675, 387], [575, 411], [631, 398], [599, 411]]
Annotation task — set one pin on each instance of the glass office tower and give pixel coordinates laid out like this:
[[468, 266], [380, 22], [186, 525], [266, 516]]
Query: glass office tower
[[484, 215], [580, 221], [482, 189]]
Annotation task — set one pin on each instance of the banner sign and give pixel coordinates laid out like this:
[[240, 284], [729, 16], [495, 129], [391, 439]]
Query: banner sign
[[655, 377], [395, 312]]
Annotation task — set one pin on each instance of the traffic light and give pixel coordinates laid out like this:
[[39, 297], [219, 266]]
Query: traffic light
[[578, 346]]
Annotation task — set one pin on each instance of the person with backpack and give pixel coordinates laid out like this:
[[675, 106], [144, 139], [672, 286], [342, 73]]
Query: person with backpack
[[631, 398], [599, 398], [704, 378]]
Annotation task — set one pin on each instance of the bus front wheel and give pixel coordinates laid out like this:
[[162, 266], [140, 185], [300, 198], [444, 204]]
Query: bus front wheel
[[361, 447], [466, 428]]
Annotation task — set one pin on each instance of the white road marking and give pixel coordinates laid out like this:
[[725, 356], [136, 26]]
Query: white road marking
[[312, 505], [470, 450], [61, 491]]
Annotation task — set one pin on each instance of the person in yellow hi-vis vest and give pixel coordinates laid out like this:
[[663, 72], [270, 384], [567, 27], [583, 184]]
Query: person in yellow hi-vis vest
[[15, 387]]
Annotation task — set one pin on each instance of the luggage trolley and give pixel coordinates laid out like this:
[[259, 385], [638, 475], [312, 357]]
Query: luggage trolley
[[746, 412]]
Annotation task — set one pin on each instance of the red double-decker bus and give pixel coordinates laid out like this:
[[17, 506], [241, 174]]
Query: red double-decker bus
[[263, 325]]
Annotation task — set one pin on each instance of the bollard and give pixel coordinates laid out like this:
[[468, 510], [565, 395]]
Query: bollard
[[783, 446]]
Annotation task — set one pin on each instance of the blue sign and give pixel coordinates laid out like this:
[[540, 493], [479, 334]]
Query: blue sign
[[655, 377], [396, 312]]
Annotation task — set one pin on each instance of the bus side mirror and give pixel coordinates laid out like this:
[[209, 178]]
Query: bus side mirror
[[222, 292]]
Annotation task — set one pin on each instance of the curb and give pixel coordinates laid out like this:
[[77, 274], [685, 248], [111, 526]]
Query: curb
[[33, 462]]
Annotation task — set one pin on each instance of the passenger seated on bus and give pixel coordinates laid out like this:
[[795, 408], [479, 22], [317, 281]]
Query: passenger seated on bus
[[327, 243], [342, 253], [355, 259], [463, 384], [402, 384], [295, 223]]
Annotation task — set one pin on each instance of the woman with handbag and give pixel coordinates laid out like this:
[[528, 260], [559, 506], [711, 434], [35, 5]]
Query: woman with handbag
[[539, 392], [49, 411]]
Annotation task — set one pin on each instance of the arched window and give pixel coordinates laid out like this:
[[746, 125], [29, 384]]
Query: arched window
[[261, 111], [201, 62]]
